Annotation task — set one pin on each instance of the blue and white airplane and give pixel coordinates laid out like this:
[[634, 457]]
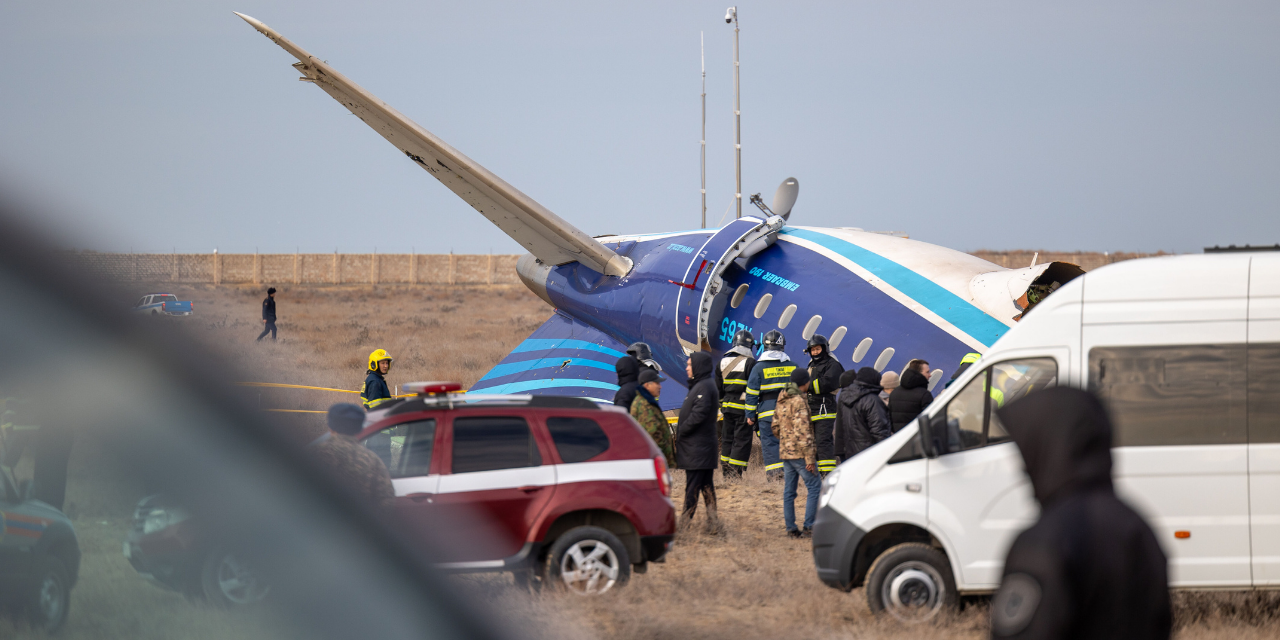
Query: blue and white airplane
[[881, 300]]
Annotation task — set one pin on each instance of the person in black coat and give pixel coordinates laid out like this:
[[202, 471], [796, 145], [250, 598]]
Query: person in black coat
[[912, 395], [269, 314], [861, 417], [696, 450], [1090, 567], [628, 369]]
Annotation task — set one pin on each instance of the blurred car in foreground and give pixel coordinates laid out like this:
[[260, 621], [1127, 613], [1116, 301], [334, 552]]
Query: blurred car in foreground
[[545, 487], [162, 304], [39, 556]]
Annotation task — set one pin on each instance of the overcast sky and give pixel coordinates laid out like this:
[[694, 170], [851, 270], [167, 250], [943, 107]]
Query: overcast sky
[[160, 125]]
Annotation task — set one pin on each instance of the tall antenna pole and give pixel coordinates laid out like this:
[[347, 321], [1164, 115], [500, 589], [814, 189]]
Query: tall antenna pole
[[703, 39], [737, 112]]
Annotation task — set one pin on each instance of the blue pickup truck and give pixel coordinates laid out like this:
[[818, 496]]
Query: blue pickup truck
[[162, 304]]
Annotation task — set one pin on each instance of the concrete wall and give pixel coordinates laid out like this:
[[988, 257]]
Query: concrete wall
[[392, 268], [299, 268]]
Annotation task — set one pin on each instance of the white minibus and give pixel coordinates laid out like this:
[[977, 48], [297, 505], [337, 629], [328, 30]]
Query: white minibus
[[1185, 353]]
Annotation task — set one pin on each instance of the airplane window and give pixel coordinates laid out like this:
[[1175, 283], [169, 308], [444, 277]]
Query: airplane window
[[934, 377], [883, 360], [763, 305], [861, 351], [738, 295], [837, 336], [785, 318], [812, 328]]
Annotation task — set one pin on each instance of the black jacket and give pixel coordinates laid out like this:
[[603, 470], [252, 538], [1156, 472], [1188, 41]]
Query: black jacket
[[824, 381], [696, 446], [1090, 567], [909, 399], [628, 369], [861, 418], [269, 308]]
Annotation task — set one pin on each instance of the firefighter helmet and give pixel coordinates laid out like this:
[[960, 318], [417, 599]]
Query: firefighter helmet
[[818, 340], [774, 341], [379, 356], [743, 338]]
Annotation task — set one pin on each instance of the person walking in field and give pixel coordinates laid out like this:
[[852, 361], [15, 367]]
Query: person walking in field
[[269, 314], [796, 449], [645, 409], [696, 450]]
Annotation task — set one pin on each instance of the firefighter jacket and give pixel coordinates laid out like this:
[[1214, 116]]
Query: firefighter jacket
[[735, 368], [374, 391], [1090, 567], [770, 376], [792, 426], [824, 381], [645, 409]]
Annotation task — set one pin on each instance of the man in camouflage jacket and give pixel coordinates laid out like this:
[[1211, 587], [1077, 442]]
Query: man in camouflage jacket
[[645, 409], [797, 452]]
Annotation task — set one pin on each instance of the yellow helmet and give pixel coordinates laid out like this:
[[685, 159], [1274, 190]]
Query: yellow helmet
[[379, 356]]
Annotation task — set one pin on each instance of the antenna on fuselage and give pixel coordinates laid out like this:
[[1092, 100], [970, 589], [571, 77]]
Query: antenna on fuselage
[[783, 199], [702, 39]]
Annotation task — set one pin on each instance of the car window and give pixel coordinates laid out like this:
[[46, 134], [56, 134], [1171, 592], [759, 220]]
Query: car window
[[492, 443], [577, 439], [405, 448], [1172, 395], [1264, 393], [971, 415], [166, 299]]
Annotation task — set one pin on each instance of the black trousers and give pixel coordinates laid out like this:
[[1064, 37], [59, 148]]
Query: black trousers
[[699, 482], [270, 328], [824, 442], [735, 442]]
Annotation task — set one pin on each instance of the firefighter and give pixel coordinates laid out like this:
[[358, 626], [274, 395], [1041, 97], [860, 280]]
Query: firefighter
[[735, 433], [967, 361], [770, 376], [824, 381], [375, 391]]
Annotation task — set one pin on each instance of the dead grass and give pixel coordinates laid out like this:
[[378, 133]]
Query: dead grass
[[750, 582]]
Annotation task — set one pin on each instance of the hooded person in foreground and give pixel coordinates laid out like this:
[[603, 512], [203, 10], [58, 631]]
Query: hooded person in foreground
[[1090, 567], [696, 450]]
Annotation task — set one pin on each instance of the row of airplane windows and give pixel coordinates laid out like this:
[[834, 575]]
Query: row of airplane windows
[[833, 340]]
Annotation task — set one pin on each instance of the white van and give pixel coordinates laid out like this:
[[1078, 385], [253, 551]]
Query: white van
[[1185, 353]]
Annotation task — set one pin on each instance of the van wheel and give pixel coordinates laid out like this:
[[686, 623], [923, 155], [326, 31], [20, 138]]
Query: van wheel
[[912, 582], [228, 581], [589, 561], [48, 597]]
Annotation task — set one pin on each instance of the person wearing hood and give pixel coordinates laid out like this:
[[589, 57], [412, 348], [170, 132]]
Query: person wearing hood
[[861, 418], [646, 411], [628, 369], [1090, 567], [824, 381], [791, 421], [696, 451], [771, 373], [912, 395], [735, 433]]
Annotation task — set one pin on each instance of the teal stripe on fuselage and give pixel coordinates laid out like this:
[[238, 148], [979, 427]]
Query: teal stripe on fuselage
[[511, 368], [929, 294], [547, 344], [548, 383]]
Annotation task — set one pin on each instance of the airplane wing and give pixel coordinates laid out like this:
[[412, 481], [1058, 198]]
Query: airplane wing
[[547, 236], [566, 357]]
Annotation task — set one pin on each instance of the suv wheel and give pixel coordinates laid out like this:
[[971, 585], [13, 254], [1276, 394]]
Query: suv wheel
[[912, 582], [589, 561], [48, 599], [226, 580]]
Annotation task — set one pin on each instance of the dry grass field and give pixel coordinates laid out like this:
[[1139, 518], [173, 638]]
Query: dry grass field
[[749, 582]]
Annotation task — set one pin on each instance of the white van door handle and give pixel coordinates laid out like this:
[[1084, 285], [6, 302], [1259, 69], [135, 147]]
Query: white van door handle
[[913, 487]]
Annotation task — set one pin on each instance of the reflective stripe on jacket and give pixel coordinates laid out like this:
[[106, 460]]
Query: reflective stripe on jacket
[[768, 378]]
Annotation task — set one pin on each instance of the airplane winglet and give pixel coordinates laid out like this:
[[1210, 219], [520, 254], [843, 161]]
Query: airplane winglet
[[547, 236]]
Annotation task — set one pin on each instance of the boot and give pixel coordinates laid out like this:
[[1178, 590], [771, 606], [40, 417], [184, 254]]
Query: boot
[[714, 526]]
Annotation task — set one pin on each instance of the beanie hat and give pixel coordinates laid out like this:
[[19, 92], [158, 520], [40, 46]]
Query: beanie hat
[[869, 376], [346, 418], [889, 380], [847, 378], [800, 377]]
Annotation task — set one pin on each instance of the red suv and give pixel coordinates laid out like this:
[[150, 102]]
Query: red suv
[[545, 487]]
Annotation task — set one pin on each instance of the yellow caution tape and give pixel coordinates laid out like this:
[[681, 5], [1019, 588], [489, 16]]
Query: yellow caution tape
[[277, 385], [294, 411]]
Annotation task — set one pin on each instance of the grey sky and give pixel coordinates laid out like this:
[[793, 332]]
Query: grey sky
[[1069, 125]]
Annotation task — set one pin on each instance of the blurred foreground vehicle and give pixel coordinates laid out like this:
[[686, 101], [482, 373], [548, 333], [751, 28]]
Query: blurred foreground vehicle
[[1184, 351], [545, 487], [144, 417], [162, 304], [39, 556]]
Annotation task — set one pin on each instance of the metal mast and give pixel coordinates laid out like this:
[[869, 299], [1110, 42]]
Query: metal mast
[[702, 38], [732, 16]]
